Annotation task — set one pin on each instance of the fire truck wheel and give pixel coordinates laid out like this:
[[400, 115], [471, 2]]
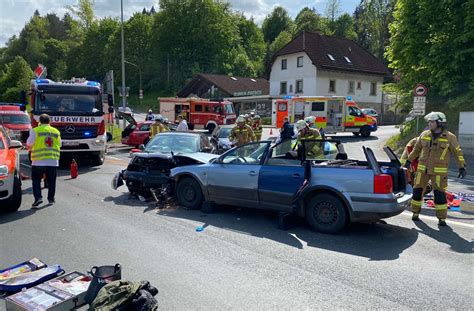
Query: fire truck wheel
[[14, 203], [188, 193], [99, 158], [365, 131]]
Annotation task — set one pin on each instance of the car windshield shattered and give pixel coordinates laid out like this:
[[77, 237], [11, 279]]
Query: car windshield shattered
[[173, 143]]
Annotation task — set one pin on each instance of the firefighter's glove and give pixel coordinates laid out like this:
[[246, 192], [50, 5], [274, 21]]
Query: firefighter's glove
[[462, 173], [407, 165]]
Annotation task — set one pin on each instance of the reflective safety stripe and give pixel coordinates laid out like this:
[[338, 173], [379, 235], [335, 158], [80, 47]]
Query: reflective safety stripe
[[461, 158], [444, 140], [403, 161], [440, 170], [421, 168], [458, 149], [438, 180], [416, 203], [418, 177], [441, 207], [426, 138], [445, 151]]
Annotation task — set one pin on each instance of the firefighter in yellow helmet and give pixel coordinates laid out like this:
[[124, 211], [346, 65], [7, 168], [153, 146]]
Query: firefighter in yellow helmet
[[158, 126], [242, 133], [313, 149], [433, 149], [310, 121], [257, 127]]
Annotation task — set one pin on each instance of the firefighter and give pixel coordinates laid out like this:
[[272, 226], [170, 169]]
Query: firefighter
[[150, 116], [432, 149], [257, 127], [310, 121], [248, 120], [158, 126], [306, 133], [241, 134]]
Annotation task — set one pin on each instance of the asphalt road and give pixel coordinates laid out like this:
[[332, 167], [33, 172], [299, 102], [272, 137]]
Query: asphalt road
[[241, 260]]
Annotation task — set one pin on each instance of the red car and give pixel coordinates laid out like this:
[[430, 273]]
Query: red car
[[135, 133], [16, 122]]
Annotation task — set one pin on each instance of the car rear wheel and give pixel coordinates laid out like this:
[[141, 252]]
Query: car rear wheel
[[326, 213], [14, 203], [189, 194]]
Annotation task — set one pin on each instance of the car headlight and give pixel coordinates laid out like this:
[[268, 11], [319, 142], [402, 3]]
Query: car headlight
[[3, 170]]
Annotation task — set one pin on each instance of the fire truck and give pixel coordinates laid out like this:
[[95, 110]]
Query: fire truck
[[75, 109], [199, 113], [334, 114]]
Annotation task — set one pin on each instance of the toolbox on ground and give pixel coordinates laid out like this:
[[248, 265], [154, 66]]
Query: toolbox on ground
[[62, 293]]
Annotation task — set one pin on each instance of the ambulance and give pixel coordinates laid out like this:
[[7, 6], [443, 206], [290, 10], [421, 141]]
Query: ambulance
[[199, 113], [334, 114]]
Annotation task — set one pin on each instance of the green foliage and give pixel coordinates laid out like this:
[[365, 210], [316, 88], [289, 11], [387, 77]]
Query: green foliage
[[16, 78], [309, 20], [276, 22], [344, 27], [84, 10], [283, 39]]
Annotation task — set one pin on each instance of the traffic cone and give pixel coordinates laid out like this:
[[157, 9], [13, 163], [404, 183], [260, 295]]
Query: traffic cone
[[73, 169]]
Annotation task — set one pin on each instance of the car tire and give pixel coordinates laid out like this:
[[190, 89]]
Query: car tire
[[99, 158], [365, 131], [14, 203], [189, 193], [326, 213], [356, 133]]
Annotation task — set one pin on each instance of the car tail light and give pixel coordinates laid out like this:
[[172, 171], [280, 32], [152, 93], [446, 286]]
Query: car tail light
[[102, 128], [383, 184]]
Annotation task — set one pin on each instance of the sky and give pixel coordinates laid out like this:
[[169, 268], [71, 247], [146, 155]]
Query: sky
[[14, 14]]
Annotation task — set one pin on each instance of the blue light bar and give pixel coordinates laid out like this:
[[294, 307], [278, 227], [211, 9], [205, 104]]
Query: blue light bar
[[87, 134], [349, 97], [93, 83], [43, 81]]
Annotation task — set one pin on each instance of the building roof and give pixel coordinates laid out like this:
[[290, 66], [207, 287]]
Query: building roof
[[319, 47], [233, 86]]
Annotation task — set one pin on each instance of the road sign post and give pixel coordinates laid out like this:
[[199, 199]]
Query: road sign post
[[419, 102]]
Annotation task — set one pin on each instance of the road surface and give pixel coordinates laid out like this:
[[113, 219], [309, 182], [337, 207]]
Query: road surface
[[241, 260]]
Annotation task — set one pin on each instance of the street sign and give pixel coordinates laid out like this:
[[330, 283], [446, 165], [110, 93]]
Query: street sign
[[419, 104], [420, 90], [40, 71], [119, 88]]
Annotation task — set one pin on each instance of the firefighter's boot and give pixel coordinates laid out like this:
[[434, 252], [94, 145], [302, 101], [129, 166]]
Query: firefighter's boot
[[442, 222], [415, 216]]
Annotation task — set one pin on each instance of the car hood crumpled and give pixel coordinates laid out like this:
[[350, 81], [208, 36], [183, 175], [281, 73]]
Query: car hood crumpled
[[198, 156]]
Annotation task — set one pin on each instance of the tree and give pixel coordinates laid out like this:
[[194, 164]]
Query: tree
[[252, 43], [84, 10], [344, 27], [308, 20], [332, 10], [16, 78], [372, 18], [434, 46], [276, 22], [283, 39]]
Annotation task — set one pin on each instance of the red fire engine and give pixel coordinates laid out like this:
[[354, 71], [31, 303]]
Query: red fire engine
[[199, 113]]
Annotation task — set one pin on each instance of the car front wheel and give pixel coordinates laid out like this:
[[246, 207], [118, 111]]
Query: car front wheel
[[14, 203], [326, 213], [189, 194]]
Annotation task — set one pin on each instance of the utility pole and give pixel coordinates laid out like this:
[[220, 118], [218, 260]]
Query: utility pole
[[140, 93], [124, 90]]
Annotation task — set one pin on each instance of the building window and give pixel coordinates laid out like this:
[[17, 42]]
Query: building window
[[283, 87], [373, 88], [299, 86], [332, 86], [291, 88], [283, 64], [359, 85], [351, 87], [299, 61]]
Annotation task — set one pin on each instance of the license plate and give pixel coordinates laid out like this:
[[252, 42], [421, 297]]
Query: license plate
[[70, 143]]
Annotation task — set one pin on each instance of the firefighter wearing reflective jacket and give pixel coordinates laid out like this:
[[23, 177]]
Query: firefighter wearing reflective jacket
[[257, 127], [433, 149], [158, 127], [242, 133], [306, 133]]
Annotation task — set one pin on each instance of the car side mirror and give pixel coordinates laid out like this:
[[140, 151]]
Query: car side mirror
[[16, 144], [141, 147]]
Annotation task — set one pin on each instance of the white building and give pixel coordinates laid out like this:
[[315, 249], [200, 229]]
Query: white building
[[314, 64]]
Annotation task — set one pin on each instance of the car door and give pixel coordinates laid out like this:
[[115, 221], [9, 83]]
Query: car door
[[233, 178], [281, 175]]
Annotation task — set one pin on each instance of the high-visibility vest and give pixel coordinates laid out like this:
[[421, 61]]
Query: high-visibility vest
[[47, 145]]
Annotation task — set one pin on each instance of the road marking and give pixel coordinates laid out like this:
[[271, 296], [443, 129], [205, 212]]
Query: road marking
[[449, 221]]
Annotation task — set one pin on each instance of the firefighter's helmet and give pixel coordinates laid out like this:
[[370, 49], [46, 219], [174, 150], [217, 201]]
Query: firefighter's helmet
[[309, 120], [436, 116], [301, 124], [257, 117], [241, 119]]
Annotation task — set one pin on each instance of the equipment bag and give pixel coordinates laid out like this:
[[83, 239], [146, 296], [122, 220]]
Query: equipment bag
[[100, 277], [29, 279]]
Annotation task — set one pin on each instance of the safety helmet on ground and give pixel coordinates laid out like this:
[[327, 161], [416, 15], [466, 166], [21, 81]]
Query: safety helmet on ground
[[301, 124], [241, 119], [309, 120], [257, 117], [436, 116]]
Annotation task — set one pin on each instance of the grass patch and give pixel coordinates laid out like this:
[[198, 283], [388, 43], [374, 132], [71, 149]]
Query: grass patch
[[116, 132]]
